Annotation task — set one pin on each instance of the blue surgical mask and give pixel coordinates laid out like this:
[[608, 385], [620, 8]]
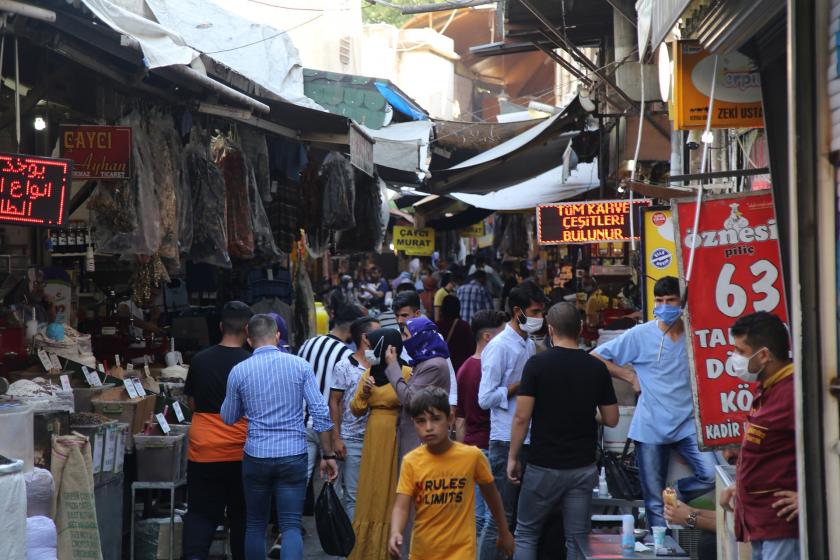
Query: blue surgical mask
[[668, 314]]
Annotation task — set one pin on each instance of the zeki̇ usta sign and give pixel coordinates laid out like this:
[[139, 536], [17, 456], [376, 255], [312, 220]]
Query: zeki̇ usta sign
[[737, 271], [594, 221]]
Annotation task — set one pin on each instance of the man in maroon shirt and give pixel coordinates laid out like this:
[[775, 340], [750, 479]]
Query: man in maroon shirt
[[472, 424], [766, 503]]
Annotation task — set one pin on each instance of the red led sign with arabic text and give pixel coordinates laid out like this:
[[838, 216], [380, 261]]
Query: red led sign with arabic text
[[34, 190], [592, 221]]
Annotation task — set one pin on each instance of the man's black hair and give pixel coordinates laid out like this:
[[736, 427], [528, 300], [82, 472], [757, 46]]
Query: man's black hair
[[406, 299], [480, 261], [445, 278], [235, 315], [564, 318], [429, 399], [456, 277], [405, 286], [360, 327], [522, 295], [346, 314], [666, 286], [479, 275], [764, 330], [507, 266], [451, 307], [487, 319]]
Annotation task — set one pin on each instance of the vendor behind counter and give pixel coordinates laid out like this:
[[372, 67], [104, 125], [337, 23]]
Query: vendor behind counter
[[144, 315]]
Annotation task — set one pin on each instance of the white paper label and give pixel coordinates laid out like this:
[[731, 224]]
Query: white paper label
[[164, 425], [129, 367], [139, 387], [129, 387], [54, 361], [110, 446], [117, 359], [179, 414], [97, 453], [119, 452], [65, 383], [45, 360], [92, 377], [101, 367], [146, 370]]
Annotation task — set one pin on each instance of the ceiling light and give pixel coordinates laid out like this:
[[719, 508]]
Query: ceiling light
[[449, 214], [40, 124]]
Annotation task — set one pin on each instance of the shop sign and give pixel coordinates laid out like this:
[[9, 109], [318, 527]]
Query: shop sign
[[98, 152], [414, 241], [737, 271], [34, 190], [737, 89], [659, 251], [361, 150], [474, 231], [585, 222]]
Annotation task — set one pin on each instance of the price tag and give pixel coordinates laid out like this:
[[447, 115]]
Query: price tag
[[54, 361], [65, 383], [139, 387], [110, 447], [179, 414], [45, 360], [117, 360], [100, 367], [129, 367], [129, 387], [119, 452], [164, 425], [92, 378], [98, 442]]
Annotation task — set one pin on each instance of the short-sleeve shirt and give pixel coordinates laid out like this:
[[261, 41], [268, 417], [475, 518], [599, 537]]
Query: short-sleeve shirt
[[346, 378], [439, 295], [567, 385], [208, 375], [665, 411], [443, 490], [476, 419]]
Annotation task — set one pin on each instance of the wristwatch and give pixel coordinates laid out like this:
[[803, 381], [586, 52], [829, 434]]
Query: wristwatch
[[328, 457], [691, 521]]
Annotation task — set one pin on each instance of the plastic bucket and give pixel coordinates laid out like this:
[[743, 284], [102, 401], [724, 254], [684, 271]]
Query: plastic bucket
[[614, 438]]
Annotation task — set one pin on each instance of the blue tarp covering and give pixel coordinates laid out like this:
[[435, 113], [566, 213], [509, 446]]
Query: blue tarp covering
[[400, 103]]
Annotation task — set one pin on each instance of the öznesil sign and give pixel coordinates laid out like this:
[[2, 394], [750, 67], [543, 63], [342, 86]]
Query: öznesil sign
[[414, 241], [585, 222]]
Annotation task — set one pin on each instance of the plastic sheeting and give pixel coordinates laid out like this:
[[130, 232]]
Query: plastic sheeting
[[403, 146]]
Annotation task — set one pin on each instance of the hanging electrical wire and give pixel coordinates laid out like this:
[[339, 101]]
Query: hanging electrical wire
[[425, 8]]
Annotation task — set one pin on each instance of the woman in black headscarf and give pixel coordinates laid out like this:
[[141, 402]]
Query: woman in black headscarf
[[378, 473]]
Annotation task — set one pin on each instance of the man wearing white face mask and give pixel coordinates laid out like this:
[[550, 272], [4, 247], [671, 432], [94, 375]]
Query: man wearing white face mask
[[664, 419], [765, 495], [502, 363]]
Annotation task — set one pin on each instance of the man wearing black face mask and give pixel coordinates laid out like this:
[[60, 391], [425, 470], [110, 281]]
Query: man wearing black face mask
[[664, 419]]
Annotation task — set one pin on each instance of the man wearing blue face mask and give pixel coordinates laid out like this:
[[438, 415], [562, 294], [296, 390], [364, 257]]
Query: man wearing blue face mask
[[664, 419]]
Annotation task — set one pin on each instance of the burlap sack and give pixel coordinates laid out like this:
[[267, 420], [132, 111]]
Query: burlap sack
[[74, 507]]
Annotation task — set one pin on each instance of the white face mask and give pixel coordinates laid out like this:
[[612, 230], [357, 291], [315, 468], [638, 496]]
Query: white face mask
[[531, 324], [370, 354], [741, 367]]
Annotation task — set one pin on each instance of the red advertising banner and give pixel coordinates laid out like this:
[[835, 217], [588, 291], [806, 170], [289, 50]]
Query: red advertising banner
[[98, 152], [34, 190], [737, 271]]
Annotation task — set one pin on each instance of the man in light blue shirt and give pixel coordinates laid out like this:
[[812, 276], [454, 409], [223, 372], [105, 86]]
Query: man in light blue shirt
[[270, 388], [502, 363], [664, 417]]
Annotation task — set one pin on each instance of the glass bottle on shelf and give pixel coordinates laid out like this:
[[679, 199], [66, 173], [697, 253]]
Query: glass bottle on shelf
[[62, 241]]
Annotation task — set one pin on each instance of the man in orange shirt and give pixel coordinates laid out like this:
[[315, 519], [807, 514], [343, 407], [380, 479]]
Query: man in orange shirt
[[214, 471]]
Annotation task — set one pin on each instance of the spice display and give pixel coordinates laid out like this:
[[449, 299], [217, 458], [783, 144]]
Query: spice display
[[87, 419]]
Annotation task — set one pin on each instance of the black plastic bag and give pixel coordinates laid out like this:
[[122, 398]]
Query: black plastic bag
[[623, 479], [334, 528]]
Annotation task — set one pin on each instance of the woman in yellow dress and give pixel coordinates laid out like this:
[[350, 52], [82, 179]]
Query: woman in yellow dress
[[378, 472]]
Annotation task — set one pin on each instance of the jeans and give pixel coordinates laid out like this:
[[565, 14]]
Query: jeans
[[349, 476], [482, 512], [214, 489], [653, 459], [543, 491], [285, 479], [510, 496], [779, 549]]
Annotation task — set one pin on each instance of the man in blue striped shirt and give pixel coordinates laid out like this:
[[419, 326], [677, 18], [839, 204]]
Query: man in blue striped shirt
[[270, 389]]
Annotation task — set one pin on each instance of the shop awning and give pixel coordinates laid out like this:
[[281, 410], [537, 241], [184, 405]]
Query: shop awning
[[525, 156], [402, 146], [547, 188]]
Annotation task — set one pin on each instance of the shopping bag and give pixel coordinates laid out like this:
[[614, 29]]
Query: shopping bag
[[334, 528], [623, 479]]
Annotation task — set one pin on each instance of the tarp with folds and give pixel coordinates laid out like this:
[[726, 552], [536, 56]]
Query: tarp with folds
[[185, 28], [403, 146], [543, 189], [527, 155]]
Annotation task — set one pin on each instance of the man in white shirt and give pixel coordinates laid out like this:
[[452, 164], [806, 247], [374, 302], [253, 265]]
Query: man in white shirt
[[502, 363]]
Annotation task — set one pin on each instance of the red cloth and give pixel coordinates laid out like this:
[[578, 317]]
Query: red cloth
[[767, 463], [461, 343], [477, 419]]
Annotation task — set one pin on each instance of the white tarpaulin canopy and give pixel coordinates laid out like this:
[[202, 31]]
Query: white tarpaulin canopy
[[542, 189], [186, 28], [403, 146]]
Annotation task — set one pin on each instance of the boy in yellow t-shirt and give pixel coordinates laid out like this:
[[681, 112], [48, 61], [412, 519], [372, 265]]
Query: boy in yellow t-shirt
[[440, 478]]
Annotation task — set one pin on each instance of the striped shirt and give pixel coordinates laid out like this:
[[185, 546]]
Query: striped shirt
[[474, 297], [269, 388], [388, 320], [323, 353]]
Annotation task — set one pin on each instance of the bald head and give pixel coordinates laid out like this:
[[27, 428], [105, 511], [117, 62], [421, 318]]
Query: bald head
[[564, 319]]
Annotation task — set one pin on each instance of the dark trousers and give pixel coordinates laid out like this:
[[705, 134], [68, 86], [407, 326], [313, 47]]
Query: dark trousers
[[214, 488]]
